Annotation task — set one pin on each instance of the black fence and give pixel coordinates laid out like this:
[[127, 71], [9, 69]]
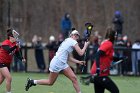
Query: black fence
[[131, 66]]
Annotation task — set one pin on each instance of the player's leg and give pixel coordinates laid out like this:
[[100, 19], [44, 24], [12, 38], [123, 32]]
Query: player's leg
[[50, 81], [1, 77], [110, 85], [6, 74], [98, 85], [70, 74]]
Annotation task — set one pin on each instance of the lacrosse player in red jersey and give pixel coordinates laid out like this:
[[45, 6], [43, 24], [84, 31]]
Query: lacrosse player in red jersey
[[8, 49], [104, 57]]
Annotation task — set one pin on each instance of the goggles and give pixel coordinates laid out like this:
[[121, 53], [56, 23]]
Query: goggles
[[15, 34]]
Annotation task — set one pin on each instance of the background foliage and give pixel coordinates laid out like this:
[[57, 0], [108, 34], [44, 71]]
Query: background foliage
[[43, 17]]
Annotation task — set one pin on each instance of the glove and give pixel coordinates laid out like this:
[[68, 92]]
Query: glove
[[86, 35], [98, 71]]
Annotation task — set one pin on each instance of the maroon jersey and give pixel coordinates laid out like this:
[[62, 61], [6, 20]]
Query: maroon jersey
[[5, 56], [105, 60]]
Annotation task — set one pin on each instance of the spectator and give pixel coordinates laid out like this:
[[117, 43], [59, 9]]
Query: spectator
[[119, 53], [93, 47], [97, 34], [66, 25], [119, 42], [60, 39], [136, 58], [127, 42], [128, 64], [39, 56], [18, 65], [52, 47], [78, 57], [118, 22]]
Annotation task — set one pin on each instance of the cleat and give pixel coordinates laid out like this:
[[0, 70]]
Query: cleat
[[29, 84]]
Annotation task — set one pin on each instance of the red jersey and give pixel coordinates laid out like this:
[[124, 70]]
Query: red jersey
[[106, 59], [5, 57]]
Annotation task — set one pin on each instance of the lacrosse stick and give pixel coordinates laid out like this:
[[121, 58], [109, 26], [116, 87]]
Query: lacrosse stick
[[89, 28], [90, 78]]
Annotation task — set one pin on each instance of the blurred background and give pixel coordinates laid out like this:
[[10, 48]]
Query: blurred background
[[43, 17]]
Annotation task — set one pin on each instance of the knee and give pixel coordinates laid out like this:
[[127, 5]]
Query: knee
[[50, 83]]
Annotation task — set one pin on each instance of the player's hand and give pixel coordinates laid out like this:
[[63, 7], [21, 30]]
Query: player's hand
[[24, 60], [18, 45], [86, 43], [98, 71], [82, 63]]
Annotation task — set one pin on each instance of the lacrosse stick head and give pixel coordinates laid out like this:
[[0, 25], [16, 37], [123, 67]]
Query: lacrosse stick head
[[87, 79], [84, 81], [88, 30]]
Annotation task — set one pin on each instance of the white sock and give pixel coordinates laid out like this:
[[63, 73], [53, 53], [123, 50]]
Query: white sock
[[80, 92], [35, 81], [8, 92]]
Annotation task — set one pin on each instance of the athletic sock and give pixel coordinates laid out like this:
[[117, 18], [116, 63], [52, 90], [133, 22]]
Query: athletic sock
[[35, 81], [9, 92]]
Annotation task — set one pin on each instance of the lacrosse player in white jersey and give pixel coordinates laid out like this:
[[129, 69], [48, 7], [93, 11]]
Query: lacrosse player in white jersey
[[60, 63]]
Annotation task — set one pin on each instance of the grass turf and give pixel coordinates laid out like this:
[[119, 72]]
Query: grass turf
[[64, 85]]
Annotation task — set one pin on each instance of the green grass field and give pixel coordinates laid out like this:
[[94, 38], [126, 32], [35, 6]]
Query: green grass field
[[64, 85]]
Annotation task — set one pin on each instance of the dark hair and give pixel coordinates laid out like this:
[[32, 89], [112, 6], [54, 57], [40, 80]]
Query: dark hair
[[66, 14], [110, 34], [73, 29], [9, 32], [137, 41]]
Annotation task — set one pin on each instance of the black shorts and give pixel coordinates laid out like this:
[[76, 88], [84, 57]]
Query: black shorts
[[4, 65], [104, 82]]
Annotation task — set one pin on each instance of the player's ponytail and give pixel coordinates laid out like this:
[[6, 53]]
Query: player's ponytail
[[110, 34]]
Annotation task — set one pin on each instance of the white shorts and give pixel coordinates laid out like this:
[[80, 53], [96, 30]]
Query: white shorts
[[56, 65]]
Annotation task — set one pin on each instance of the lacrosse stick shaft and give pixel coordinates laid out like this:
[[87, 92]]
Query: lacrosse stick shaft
[[112, 65], [108, 68], [89, 28], [83, 67]]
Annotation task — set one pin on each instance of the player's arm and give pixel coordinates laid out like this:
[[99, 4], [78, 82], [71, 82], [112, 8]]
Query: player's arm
[[18, 54], [97, 58], [7, 48], [71, 59], [79, 50]]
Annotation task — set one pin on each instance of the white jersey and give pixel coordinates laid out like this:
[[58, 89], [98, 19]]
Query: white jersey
[[65, 48]]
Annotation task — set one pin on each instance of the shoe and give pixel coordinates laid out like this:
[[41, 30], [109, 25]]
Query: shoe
[[29, 84]]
